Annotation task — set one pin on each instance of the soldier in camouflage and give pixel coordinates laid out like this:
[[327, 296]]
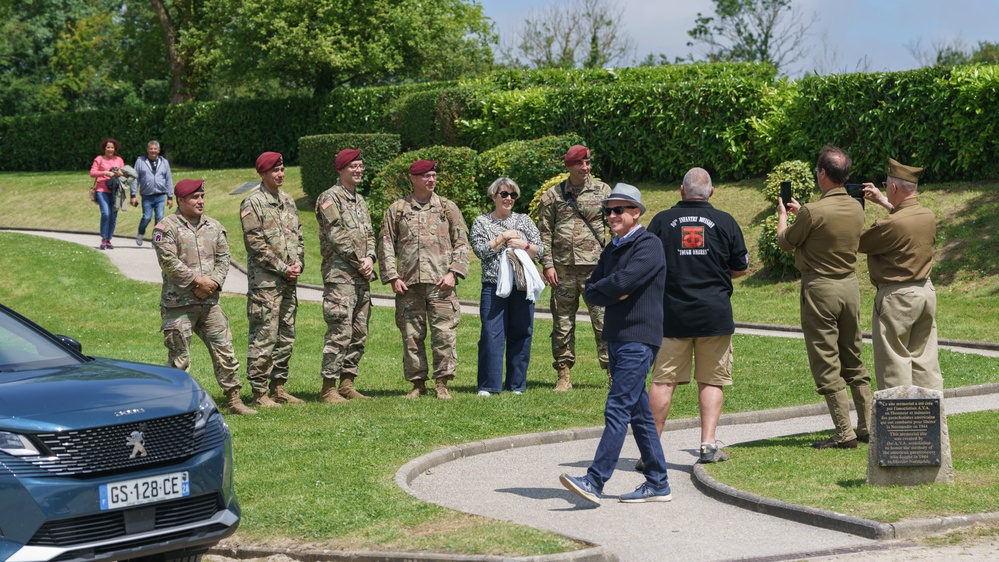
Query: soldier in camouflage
[[422, 252], [275, 256], [347, 243], [573, 230], [194, 256]]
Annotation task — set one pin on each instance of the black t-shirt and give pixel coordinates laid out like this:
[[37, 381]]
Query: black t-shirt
[[703, 245]]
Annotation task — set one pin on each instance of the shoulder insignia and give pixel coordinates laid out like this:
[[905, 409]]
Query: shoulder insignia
[[158, 237], [326, 204], [159, 226], [546, 197], [245, 212]]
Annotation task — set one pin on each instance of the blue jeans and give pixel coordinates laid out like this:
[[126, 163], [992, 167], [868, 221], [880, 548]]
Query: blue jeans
[[109, 214], [506, 322], [628, 402], [151, 204]]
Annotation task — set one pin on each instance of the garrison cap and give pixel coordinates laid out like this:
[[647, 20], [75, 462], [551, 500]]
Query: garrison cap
[[346, 156], [187, 187], [899, 170], [269, 161], [421, 167]]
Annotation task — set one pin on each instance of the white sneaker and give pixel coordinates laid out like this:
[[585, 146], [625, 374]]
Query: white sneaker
[[138, 239], [518, 392], [484, 393]]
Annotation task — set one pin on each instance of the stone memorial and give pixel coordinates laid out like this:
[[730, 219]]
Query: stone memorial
[[909, 442]]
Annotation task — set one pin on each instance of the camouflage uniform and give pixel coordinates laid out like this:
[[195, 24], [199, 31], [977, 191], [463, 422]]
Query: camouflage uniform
[[428, 241], [573, 251], [272, 235], [186, 251], [345, 238]]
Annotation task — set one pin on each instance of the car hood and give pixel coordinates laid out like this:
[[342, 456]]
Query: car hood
[[97, 393]]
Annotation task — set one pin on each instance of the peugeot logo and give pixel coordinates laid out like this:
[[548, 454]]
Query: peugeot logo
[[136, 439]]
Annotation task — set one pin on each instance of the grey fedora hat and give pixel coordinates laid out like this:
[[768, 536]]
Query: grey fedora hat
[[625, 192]]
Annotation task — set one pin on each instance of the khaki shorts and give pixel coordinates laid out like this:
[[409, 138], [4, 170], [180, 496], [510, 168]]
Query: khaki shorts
[[712, 355]]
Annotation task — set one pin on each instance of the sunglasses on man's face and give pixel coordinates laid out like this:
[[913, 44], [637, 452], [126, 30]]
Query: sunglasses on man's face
[[619, 210], [505, 194]]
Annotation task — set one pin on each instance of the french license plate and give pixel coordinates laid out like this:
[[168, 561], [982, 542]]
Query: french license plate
[[145, 490]]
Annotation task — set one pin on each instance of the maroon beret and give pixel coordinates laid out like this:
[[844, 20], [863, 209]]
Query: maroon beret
[[576, 153], [187, 187], [269, 161], [346, 156], [421, 167]]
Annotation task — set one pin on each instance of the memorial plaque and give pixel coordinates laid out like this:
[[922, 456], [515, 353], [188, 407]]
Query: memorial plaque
[[908, 431]]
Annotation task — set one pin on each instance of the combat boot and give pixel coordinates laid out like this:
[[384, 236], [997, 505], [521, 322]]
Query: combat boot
[[261, 400], [839, 409], [280, 395], [862, 401], [329, 394], [235, 404], [347, 389], [441, 389], [564, 384], [419, 389]]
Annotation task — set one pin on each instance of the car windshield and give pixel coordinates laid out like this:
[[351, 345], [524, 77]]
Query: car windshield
[[23, 349]]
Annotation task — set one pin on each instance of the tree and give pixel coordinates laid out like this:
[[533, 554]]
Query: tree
[[586, 33], [320, 45], [953, 53], [753, 31]]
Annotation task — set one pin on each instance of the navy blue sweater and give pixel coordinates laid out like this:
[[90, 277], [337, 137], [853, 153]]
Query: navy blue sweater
[[636, 268]]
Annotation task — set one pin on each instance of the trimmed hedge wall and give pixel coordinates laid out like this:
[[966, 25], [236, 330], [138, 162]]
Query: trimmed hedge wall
[[317, 155]]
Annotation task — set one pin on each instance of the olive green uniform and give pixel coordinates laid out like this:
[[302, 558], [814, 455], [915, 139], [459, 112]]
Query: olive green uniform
[[272, 235], [186, 251], [420, 244], [345, 238], [572, 249], [825, 236], [899, 252]]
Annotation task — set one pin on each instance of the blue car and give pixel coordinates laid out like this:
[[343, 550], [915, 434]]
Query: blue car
[[103, 459]]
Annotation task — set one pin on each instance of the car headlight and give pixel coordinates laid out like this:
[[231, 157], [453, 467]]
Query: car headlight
[[206, 409], [17, 445]]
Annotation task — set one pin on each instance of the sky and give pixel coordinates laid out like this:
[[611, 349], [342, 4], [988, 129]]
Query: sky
[[847, 36]]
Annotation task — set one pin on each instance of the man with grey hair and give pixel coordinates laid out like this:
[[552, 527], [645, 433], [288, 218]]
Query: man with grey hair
[[155, 184], [705, 250]]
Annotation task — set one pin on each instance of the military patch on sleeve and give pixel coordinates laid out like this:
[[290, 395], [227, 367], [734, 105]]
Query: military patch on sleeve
[[546, 198], [245, 212], [159, 226], [158, 237], [326, 204]]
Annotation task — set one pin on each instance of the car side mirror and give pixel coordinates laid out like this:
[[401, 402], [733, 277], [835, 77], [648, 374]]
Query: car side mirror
[[70, 343]]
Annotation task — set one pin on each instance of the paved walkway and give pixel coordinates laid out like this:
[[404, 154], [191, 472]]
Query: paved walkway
[[520, 483]]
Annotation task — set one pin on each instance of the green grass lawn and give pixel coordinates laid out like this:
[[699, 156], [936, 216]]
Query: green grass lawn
[[325, 474]]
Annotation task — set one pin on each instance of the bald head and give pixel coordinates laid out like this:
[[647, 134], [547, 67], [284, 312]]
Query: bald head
[[697, 185]]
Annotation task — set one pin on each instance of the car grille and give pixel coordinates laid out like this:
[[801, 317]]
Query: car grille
[[101, 450], [110, 525]]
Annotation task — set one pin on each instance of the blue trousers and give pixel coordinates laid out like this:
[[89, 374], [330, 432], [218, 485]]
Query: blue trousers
[[628, 402], [506, 323], [109, 214], [152, 204]]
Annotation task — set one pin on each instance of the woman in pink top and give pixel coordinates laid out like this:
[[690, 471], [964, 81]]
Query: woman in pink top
[[106, 166]]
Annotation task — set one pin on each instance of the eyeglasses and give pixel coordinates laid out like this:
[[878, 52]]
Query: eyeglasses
[[505, 194], [619, 210], [355, 167]]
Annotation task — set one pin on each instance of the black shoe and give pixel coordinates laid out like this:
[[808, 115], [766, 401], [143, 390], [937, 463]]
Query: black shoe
[[833, 444], [864, 438]]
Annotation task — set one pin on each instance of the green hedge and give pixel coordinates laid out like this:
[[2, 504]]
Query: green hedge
[[521, 79], [456, 179], [317, 154], [529, 163], [775, 261]]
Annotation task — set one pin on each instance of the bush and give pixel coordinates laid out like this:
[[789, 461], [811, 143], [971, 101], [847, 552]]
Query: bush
[[777, 262], [317, 154], [456, 179], [559, 78], [529, 163]]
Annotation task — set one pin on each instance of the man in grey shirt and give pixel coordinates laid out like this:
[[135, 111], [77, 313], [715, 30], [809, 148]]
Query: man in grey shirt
[[154, 184]]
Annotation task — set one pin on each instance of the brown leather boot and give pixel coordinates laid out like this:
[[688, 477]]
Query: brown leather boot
[[261, 400], [329, 394], [564, 383], [862, 400], [839, 409], [419, 389], [235, 404], [280, 395], [347, 389], [441, 389]]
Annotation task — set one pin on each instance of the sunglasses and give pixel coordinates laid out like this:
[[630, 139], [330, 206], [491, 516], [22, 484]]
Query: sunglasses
[[619, 210], [505, 194]]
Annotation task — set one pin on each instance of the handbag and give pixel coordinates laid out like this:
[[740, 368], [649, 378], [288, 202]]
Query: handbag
[[519, 277], [93, 192]]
